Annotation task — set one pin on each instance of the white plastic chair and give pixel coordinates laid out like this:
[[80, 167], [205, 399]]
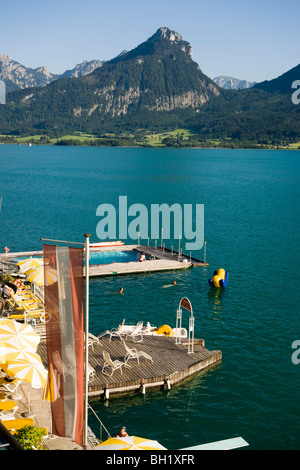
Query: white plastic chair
[[135, 354], [136, 335], [109, 363]]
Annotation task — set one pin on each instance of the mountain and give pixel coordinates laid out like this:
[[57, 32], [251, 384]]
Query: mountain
[[158, 76], [156, 87], [281, 84], [16, 76], [230, 83], [82, 69]]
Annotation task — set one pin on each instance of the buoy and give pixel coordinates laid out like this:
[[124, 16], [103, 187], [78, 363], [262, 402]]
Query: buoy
[[106, 392], [168, 383], [143, 387]]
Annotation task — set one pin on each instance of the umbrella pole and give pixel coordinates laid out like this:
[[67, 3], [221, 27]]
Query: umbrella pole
[[29, 413], [86, 398]]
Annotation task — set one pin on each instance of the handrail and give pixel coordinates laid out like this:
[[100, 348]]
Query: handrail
[[102, 427]]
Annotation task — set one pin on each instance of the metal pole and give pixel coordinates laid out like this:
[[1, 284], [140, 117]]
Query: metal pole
[[86, 381], [161, 243], [204, 252]]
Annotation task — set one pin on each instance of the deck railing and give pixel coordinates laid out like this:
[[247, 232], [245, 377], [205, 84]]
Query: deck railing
[[102, 428]]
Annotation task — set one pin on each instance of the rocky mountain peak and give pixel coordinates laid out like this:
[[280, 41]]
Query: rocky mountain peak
[[174, 38]]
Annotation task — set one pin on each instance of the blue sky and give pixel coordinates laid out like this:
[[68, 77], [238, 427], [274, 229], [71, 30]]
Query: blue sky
[[255, 40]]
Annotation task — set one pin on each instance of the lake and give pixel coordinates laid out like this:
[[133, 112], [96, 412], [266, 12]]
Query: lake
[[251, 227]]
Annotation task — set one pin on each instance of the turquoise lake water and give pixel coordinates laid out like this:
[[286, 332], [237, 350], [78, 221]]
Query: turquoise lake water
[[251, 205]]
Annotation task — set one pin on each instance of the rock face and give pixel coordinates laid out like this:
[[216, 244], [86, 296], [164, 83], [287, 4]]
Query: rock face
[[230, 83], [157, 82], [158, 75], [82, 69], [17, 76]]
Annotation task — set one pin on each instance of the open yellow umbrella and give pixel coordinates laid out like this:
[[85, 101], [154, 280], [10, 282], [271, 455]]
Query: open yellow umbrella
[[129, 443], [6, 350], [28, 263], [13, 332], [37, 275], [32, 372]]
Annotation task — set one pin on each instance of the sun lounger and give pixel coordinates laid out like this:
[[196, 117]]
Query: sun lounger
[[10, 386], [119, 332], [135, 354], [8, 406], [93, 340], [110, 364], [13, 425], [137, 334]]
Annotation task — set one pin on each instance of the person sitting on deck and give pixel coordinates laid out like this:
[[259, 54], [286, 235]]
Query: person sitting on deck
[[122, 432]]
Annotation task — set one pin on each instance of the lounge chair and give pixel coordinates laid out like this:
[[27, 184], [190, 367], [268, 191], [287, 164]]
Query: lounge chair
[[10, 406], [137, 334], [10, 386], [14, 424], [93, 340], [135, 354], [120, 331], [72, 363], [110, 364]]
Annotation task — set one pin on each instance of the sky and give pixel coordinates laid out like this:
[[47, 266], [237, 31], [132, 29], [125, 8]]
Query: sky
[[255, 40]]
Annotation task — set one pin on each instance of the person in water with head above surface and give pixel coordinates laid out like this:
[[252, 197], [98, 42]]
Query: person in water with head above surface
[[171, 285], [122, 432]]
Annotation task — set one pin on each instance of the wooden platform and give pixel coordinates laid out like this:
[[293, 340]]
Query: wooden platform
[[169, 361], [165, 260]]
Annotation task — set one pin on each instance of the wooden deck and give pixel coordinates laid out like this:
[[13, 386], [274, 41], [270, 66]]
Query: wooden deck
[[165, 260], [169, 361]]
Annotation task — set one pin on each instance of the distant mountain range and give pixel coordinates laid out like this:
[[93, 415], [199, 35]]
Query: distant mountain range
[[16, 76], [230, 83], [154, 87]]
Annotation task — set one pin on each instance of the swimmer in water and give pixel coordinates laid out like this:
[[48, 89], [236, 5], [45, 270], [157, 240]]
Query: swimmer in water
[[170, 285]]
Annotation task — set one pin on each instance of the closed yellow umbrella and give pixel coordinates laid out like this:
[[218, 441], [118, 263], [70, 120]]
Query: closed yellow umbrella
[[13, 332], [129, 443], [51, 392]]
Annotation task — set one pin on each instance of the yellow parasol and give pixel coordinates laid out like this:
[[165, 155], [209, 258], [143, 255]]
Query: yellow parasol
[[6, 350], [13, 332], [26, 264], [32, 372], [129, 443], [51, 392], [37, 275]]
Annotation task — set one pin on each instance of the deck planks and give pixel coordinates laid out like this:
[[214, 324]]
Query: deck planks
[[169, 361]]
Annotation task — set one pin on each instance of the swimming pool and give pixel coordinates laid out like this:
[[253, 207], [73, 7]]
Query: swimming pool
[[107, 257]]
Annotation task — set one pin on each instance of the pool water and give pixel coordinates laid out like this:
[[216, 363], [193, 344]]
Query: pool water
[[107, 257]]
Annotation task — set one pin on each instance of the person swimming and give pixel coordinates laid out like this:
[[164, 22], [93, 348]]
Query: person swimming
[[171, 285]]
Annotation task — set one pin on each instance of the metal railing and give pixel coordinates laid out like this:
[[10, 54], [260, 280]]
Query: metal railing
[[91, 436]]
